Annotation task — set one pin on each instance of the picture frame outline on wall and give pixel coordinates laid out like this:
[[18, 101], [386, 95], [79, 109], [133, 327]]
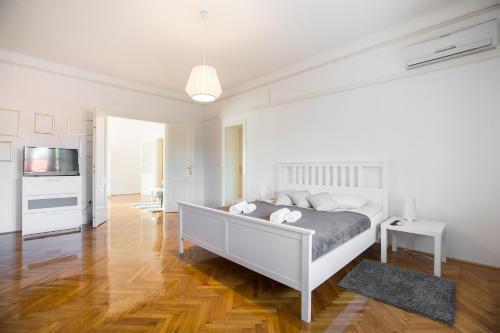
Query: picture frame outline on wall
[[3, 157], [38, 123], [15, 132], [71, 131], [86, 147]]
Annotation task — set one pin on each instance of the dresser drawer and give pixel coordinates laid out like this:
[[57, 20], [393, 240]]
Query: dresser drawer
[[51, 221], [34, 204], [51, 185]]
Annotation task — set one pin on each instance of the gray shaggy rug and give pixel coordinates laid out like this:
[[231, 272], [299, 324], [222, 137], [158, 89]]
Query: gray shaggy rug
[[421, 293]]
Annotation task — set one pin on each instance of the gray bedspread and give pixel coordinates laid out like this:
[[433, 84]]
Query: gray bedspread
[[332, 228]]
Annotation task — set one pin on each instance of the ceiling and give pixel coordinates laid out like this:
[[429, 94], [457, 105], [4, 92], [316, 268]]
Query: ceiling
[[156, 42]]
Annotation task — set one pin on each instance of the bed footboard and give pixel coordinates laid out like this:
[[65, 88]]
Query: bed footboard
[[280, 252]]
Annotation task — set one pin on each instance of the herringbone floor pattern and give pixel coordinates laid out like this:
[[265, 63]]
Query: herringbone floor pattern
[[126, 276]]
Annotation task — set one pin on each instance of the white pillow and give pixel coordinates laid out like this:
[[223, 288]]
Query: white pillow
[[283, 198], [299, 198], [322, 202], [349, 201]]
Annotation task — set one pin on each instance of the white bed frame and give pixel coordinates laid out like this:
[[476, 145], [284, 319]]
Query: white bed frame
[[284, 252]]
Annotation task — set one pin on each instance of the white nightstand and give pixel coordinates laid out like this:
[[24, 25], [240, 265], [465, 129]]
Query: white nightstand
[[421, 227]]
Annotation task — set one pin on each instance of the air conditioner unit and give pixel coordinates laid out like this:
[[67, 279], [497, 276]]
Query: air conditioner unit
[[473, 39]]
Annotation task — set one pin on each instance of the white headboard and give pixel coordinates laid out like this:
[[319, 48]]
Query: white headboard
[[366, 178]]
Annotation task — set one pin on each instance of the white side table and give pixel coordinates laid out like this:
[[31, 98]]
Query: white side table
[[420, 227]]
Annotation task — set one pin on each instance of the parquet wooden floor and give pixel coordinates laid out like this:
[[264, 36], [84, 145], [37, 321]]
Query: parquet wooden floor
[[126, 276]]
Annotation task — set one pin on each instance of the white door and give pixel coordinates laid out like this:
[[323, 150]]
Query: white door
[[180, 168], [147, 168], [100, 200]]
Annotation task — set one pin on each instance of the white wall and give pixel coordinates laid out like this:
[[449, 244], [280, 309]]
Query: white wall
[[31, 90], [125, 138], [437, 126]]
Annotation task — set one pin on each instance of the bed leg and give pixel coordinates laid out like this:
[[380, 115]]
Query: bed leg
[[305, 290], [181, 246], [181, 240], [305, 305]]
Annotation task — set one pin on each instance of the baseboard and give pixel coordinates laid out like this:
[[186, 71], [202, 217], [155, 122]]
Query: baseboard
[[9, 232], [447, 258]]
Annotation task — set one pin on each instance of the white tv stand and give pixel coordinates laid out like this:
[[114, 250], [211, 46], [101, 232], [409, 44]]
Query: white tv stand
[[51, 203]]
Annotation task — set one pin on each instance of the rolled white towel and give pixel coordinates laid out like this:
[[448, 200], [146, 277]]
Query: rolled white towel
[[293, 216], [279, 215], [249, 208], [238, 208]]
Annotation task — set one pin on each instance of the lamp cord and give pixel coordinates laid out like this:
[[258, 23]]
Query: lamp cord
[[204, 31]]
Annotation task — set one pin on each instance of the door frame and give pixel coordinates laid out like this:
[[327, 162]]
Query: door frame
[[165, 164], [243, 123]]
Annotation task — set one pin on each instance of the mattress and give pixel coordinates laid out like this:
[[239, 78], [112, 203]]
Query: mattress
[[332, 228], [373, 211]]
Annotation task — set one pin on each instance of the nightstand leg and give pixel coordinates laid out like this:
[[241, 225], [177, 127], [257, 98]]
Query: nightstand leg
[[383, 245], [394, 241], [437, 255]]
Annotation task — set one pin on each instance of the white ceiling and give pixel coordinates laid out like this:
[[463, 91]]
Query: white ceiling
[[156, 42]]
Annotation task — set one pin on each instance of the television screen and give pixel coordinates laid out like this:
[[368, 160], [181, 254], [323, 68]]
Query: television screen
[[42, 161]]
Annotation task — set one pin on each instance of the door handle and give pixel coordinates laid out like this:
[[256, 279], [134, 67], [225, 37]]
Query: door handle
[[190, 170]]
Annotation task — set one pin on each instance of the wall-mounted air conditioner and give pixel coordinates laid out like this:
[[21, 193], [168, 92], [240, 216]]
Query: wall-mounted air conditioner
[[466, 41]]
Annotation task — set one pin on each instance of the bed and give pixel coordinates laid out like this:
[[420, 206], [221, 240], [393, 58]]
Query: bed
[[261, 246]]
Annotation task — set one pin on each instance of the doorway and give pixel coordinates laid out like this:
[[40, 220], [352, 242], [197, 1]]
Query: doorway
[[234, 163], [171, 178], [135, 155]]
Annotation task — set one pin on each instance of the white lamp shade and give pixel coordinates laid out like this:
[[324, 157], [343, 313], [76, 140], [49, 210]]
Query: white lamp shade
[[203, 84], [410, 209]]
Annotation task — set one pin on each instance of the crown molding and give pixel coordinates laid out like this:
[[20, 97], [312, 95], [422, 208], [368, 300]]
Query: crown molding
[[19, 59], [410, 29], [213, 113]]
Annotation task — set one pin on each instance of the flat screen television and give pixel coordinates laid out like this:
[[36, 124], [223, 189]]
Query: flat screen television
[[43, 161]]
